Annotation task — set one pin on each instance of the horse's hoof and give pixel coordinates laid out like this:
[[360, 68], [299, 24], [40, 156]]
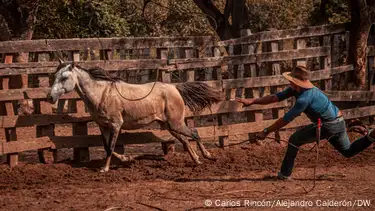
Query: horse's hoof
[[211, 158], [104, 169], [198, 162], [127, 158]]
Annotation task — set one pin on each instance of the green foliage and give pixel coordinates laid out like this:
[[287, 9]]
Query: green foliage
[[110, 18], [337, 11], [174, 18], [79, 18], [279, 14]]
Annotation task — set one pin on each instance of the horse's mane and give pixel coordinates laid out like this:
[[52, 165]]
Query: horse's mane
[[99, 74]]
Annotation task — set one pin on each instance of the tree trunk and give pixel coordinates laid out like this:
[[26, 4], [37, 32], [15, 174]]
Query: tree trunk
[[220, 22], [323, 17], [20, 17], [238, 16], [361, 22]]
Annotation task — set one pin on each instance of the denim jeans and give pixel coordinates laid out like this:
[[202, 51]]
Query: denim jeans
[[335, 133]]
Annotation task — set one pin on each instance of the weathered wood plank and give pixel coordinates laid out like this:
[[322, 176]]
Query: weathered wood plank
[[327, 62], [247, 59], [26, 145], [103, 43], [276, 70], [351, 95], [244, 128], [50, 67], [288, 34], [251, 82], [174, 64], [301, 44], [265, 81], [45, 155], [161, 42], [11, 132], [31, 93], [41, 119], [46, 119], [224, 107], [59, 142], [81, 154]]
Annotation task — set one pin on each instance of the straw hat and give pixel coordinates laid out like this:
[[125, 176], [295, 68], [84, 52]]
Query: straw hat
[[300, 77]]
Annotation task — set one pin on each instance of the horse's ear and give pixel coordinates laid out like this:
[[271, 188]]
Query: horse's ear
[[73, 64]]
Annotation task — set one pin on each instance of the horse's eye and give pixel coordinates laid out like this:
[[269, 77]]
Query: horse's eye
[[63, 79]]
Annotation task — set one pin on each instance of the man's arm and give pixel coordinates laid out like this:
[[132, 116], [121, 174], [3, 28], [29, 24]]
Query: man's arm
[[262, 100], [280, 123], [298, 108], [288, 92]]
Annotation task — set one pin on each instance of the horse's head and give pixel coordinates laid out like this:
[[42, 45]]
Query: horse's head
[[65, 81]]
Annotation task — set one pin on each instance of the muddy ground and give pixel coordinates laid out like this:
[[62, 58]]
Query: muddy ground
[[240, 179]]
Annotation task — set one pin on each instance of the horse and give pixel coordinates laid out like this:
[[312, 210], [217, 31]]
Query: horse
[[115, 104]]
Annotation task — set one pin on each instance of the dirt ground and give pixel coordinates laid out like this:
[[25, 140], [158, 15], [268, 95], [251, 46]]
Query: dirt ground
[[241, 178]]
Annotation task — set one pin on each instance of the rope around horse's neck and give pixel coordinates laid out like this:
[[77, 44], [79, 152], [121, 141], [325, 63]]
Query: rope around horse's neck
[[141, 98]]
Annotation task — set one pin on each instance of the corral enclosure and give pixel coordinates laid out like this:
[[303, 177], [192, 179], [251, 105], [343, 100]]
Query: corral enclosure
[[249, 66]]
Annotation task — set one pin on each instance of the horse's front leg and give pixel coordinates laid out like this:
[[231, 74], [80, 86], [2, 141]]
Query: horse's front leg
[[106, 132], [110, 136]]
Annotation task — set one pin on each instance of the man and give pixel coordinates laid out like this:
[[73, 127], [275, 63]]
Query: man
[[311, 101]]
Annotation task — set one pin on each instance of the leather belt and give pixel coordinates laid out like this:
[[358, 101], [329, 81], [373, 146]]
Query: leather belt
[[338, 119]]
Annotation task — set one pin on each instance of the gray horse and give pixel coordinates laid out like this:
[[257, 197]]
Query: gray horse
[[114, 104]]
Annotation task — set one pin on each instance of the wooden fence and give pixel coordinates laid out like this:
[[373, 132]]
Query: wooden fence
[[250, 67]]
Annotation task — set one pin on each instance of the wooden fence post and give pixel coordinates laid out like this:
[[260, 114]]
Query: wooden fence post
[[276, 113], [10, 133], [45, 155], [81, 154], [335, 55], [223, 141], [208, 71], [167, 146], [145, 74], [327, 62], [258, 115], [190, 76], [231, 94], [250, 70], [301, 44]]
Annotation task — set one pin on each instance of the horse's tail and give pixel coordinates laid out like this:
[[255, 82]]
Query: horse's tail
[[198, 95]]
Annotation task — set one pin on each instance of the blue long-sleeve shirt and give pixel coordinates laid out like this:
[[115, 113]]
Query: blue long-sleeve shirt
[[313, 102]]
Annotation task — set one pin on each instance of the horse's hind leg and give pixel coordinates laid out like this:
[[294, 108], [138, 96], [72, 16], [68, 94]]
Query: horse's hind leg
[[185, 142], [203, 149], [184, 130]]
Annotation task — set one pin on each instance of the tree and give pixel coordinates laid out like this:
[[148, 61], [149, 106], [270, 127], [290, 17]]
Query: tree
[[20, 16], [362, 18], [80, 19], [330, 11], [220, 21]]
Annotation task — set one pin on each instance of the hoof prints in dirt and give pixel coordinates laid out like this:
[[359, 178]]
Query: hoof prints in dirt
[[231, 161]]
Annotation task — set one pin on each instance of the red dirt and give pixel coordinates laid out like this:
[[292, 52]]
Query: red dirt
[[241, 172]]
